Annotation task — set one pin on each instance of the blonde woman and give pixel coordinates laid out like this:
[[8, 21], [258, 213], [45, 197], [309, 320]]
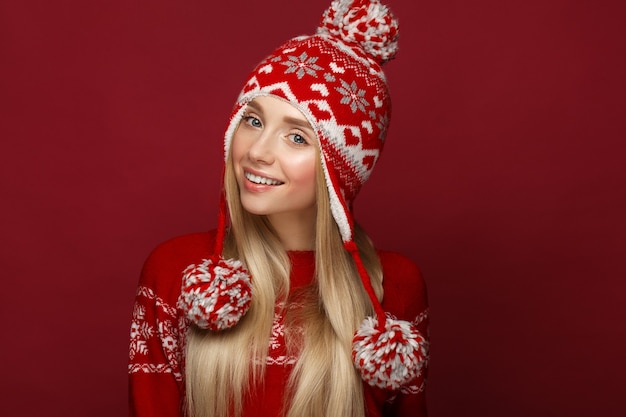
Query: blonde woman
[[287, 309]]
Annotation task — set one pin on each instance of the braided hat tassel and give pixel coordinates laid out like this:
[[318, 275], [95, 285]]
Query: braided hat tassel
[[388, 353], [216, 293]]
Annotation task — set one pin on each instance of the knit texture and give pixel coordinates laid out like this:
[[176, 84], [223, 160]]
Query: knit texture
[[377, 356], [216, 294]]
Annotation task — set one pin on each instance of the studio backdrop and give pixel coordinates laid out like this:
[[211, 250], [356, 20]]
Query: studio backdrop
[[502, 177]]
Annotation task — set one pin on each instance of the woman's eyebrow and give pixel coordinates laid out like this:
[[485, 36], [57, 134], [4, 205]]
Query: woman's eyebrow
[[295, 121], [255, 107], [301, 123]]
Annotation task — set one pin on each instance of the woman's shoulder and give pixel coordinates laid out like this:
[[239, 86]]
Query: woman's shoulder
[[399, 268], [165, 264], [183, 247], [404, 287]]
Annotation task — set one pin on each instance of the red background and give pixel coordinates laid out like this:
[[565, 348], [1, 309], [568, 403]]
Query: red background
[[502, 177]]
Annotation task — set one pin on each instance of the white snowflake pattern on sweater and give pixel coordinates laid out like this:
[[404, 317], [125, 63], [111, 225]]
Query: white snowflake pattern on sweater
[[155, 342], [156, 345]]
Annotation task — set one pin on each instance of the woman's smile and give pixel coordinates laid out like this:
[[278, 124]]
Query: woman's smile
[[261, 180]]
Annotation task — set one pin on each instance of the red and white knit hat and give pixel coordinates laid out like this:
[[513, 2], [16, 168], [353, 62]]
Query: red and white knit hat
[[335, 79]]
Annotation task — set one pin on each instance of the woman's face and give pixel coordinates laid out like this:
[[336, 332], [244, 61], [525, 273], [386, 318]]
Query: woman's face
[[274, 155]]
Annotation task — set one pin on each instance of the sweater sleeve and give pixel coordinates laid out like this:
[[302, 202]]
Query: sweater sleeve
[[406, 299], [156, 340]]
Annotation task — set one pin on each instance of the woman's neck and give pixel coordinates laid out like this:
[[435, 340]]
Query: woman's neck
[[296, 232]]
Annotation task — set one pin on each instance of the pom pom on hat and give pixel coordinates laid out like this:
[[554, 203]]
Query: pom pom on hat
[[367, 23], [216, 294], [389, 357]]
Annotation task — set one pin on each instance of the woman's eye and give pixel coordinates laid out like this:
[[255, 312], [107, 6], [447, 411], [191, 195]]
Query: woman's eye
[[252, 121], [298, 139]]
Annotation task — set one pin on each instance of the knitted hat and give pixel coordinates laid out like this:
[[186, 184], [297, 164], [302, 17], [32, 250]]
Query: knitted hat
[[335, 79]]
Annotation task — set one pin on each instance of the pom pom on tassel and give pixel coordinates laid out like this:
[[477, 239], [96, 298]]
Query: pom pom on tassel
[[216, 295], [390, 357], [367, 23]]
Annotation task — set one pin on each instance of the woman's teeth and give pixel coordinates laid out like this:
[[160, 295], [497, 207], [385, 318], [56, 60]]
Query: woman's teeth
[[261, 180]]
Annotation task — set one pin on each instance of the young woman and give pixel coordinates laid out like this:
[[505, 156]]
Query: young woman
[[287, 309]]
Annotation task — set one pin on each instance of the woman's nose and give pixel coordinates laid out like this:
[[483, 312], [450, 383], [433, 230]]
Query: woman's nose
[[262, 150]]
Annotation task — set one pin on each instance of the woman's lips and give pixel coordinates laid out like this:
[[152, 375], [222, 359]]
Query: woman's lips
[[261, 180]]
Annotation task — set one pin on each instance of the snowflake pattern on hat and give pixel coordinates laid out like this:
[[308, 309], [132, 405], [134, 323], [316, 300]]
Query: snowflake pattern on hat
[[301, 65], [353, 96]]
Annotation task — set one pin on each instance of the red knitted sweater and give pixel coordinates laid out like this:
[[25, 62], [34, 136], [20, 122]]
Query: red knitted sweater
[[158, 331]]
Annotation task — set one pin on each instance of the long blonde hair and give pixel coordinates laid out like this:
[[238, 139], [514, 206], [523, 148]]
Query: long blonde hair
[[221, 368]]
